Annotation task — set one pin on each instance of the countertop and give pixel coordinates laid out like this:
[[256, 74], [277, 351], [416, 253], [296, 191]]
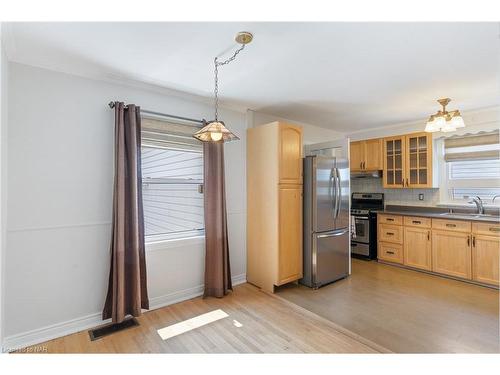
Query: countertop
[[438, 213]]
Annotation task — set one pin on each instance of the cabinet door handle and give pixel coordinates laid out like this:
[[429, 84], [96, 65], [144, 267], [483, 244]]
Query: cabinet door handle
[[361, 165], [473, 241], [416, 222], [407, 184], [428, 235], [389, 219], [468, 240], [390, 252], [451, 225], [494, 229], [389, 233]]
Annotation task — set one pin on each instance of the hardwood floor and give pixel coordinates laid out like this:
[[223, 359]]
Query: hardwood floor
[[407, 311], [269, 325]]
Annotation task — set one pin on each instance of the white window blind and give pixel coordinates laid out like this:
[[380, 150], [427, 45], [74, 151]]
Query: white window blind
[[472, 167], [172, 173]]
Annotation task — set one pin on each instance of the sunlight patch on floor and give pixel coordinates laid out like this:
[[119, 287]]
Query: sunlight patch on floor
[[190, 324]]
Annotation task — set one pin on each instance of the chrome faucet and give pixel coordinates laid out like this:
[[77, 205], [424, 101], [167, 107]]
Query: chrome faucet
[[496, 196], [479, 204]]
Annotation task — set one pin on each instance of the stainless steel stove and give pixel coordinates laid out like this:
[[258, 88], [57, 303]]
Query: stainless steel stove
[[363, 210]]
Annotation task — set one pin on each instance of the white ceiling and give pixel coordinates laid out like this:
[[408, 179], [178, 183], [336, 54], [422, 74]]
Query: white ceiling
[[342, 76]]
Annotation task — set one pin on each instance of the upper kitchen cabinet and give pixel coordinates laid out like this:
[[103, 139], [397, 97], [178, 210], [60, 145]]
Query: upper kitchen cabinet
[[290, 154], [366, 155], [408, 161]]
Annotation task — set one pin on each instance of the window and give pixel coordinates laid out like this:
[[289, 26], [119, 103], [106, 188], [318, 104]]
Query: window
[[172, 181], [471, 167]]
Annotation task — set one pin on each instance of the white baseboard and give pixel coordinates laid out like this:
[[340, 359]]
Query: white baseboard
[[43, 334]]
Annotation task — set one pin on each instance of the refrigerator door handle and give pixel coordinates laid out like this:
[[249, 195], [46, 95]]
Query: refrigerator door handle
[[331, 187], [333, 234], [338, 191]]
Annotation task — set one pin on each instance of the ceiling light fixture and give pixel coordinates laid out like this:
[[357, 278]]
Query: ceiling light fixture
[[216, 130], [443, 120]]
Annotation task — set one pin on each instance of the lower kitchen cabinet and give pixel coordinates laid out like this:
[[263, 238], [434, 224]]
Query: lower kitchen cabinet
[[418, 248], [485, 259], [390, 252], [290, 234], [459, 248], [451, 253]]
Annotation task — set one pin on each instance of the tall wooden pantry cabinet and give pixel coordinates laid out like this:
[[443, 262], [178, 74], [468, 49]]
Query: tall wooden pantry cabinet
[[274, 204]]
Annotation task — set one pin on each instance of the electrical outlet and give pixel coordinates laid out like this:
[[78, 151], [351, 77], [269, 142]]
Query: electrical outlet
[[421, 197]]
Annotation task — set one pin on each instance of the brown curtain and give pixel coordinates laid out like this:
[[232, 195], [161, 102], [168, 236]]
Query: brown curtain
[[127, 291], [217, 269]]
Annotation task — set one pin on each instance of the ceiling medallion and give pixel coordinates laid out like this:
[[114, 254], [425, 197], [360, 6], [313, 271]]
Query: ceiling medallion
[[216, 130], [443, 120]]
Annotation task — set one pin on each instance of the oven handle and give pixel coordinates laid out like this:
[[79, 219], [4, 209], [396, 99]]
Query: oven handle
[[361, 217]]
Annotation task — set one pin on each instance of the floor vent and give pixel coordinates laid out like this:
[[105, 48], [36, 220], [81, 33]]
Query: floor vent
[[109, 329]]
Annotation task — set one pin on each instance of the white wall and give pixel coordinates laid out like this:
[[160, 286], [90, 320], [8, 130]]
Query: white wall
[[60, 180], [310, 133], [3, 175]]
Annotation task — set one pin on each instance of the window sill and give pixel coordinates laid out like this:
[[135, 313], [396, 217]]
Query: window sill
[[175, 243]]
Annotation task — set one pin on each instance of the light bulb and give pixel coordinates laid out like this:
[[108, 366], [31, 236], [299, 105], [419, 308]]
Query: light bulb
[[216, 136]]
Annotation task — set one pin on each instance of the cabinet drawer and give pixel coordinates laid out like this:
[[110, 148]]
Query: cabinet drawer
[[390, 252], [489, 229], [454, 225], [390, 233], [414, 221], [390, 219]]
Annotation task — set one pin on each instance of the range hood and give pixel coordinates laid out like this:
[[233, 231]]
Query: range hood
[[367, 174]]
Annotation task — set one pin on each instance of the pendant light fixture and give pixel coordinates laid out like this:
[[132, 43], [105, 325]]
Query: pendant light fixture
[[443, 120], [216, 131]]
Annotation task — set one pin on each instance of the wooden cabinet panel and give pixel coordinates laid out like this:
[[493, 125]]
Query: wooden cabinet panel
[[290, 234], [451, 253], [418, 248], [389, 219], [373, 154], [394, 160], [485, 259], [390, 233], [390, 252], [453, 225], [357, 156], [488, 229], [414, 221], [290, 154]]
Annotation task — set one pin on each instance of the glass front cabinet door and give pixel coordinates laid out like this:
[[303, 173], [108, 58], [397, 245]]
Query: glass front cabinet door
[[419, 160], [394, 162]]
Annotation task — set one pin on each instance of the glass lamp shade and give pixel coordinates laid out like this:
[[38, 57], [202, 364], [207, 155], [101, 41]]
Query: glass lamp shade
[[448, 127], [431, 126], [457, 121], [439, 122], [215, 131]]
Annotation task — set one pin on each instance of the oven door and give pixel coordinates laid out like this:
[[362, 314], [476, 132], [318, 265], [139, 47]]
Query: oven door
[[362, 224]]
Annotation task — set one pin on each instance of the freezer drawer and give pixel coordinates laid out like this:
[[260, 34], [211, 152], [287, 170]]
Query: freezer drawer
[[330, 258]]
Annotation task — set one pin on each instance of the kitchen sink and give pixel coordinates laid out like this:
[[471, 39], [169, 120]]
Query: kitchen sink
[[465, 214]]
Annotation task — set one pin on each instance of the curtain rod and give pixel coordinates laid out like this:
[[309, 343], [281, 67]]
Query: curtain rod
[[145, 111]]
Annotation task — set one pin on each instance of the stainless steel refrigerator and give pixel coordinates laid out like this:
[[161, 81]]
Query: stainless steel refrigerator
[[326, 218]]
